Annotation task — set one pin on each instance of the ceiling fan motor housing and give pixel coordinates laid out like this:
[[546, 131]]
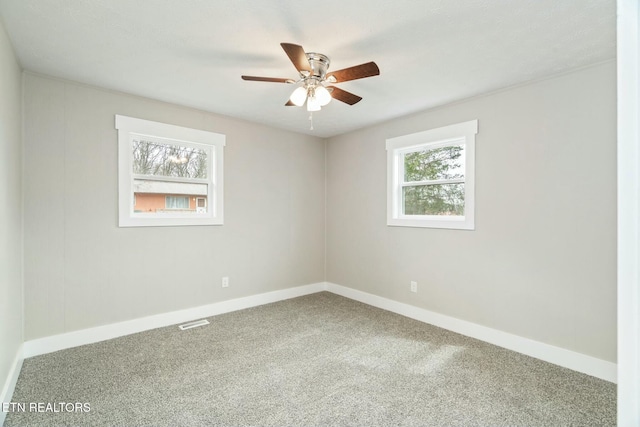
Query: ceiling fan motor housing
[[319, 64]]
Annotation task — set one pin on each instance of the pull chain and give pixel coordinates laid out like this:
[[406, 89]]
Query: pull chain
[[311, 120]]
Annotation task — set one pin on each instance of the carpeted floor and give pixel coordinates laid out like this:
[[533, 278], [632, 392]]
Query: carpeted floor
[[318, 360]]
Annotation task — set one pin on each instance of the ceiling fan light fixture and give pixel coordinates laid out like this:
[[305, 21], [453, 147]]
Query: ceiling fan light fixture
[[299, 96], [323, 96], [313, 104]]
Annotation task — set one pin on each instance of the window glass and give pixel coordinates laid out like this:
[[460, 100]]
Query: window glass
[[435, 164], [177, 202], [167, 159], [438, 199], [156, 196]]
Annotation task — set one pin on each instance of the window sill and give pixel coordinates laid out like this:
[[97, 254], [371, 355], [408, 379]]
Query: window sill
[[457, 223]]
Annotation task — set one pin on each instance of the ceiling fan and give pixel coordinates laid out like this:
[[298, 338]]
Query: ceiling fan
[[315, 77]]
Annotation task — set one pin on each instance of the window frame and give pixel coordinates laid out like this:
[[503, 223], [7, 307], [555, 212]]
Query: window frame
[[212, 143], [446, 136]]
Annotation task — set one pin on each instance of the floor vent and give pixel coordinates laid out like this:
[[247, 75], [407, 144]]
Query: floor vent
[[194, 324]]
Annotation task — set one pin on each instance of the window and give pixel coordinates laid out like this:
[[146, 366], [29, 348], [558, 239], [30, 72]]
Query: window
[[201, 204], [430, 178], [177, 202], [168, 175]]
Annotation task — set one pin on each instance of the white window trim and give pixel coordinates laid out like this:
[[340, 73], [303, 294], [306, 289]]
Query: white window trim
[[213, 142], [459, 134]]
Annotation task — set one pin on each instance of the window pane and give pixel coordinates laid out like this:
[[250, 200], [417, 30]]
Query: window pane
[[164, 159], [154, 197], [176, 202], [441, 199], [439, 163]]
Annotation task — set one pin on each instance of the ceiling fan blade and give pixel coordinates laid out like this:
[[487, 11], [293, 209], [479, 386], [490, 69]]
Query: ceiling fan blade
[[344, 96], [267, 79], [297, 55], [353, 73], [289, 104]]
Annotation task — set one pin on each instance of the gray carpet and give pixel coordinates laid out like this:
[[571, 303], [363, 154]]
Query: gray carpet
[[318, 360]]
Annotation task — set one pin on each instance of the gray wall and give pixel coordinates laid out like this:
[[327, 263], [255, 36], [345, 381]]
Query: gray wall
[[10, 207], [81, 270], [542, 261]]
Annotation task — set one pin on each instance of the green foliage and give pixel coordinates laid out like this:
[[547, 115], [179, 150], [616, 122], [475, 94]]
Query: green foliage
[[434, 165]]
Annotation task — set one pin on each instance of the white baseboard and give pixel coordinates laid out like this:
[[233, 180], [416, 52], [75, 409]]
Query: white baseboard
[[12, 380], [101, 333], [556, 355]]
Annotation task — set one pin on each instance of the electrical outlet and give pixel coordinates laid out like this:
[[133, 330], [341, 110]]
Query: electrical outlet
[[225, 282], [414, 286]]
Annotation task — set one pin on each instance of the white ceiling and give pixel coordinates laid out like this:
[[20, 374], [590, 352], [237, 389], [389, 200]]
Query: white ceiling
[[192, 52]]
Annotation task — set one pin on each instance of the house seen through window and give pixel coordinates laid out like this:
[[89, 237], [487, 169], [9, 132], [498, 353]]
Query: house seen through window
[[169, 175]]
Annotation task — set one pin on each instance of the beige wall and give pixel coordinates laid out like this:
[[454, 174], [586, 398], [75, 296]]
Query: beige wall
[[10, 207], [542, 261], [540, 264], [81, 270]]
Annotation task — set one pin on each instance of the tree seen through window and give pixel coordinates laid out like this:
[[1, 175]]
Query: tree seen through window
[[434, 181], [152, 158]]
